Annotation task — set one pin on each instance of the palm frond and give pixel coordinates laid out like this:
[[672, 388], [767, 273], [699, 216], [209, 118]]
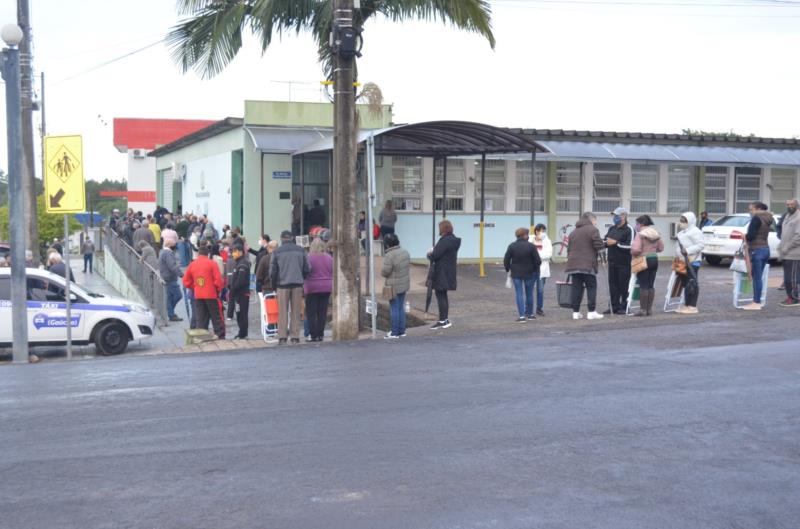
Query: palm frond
[[469, 15], [210, 40]]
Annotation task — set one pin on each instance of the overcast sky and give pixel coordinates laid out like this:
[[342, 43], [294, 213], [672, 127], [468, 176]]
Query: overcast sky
[[655, 66]]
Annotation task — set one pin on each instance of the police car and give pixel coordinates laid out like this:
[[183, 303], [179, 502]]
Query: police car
[[108, 323]]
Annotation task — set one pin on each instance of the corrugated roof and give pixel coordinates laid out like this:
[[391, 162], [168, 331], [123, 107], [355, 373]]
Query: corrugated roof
[[659, 138], [215, 129], [286, 140], [669, 153]]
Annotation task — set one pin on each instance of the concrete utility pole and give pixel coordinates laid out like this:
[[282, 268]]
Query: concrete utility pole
[[346, 258], [28, 160], [12, 36]]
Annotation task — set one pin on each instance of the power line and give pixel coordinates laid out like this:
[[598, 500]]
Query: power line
[[111, 61]]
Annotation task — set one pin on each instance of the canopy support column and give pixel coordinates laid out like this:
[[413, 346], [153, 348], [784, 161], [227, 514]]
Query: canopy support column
[[483, 206]]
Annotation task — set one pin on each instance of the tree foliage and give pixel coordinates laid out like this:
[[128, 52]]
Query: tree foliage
[[51, 226], [211, 35]]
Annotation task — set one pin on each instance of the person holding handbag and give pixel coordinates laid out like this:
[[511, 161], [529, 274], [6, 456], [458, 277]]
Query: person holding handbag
[[761, 222], [688, 255], [644, 250], [396, 269], [545, 249]]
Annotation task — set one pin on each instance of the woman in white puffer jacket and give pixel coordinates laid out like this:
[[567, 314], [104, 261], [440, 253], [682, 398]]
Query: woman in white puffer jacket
[[689, 246], [545, 249]]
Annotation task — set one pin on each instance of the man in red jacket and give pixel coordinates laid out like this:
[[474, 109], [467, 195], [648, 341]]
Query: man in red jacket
[[203, 276]]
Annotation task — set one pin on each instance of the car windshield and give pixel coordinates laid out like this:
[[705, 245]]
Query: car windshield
[[735, 221]]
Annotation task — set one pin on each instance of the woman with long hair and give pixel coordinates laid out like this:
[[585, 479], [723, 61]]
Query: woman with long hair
[[647, 244], [444, 257]]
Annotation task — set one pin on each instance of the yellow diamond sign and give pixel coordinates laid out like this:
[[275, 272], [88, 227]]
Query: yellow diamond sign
[[63, 179]]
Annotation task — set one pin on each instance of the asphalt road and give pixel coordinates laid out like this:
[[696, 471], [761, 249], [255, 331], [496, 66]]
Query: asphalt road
[[638, 428]]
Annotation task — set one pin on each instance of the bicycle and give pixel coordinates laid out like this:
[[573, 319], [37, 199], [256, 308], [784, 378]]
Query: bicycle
[[560, 248]]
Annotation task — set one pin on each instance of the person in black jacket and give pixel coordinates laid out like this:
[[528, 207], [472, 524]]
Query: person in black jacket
[[444, 257], [240, 289], [522, 261], [618, 241]]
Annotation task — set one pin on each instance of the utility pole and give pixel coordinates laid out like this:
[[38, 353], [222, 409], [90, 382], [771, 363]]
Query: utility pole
[[12, 36], [346, 293], [26, 92]]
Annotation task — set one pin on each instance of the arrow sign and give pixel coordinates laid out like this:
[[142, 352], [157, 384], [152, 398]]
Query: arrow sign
[[55, 200]]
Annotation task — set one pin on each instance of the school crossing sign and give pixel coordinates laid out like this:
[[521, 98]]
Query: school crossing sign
[[63, 179]]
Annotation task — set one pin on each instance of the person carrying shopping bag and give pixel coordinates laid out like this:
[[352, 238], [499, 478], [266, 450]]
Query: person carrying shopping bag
[[644, 250]]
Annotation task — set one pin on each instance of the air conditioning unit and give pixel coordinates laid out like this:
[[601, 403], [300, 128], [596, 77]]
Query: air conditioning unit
[[139, 153]]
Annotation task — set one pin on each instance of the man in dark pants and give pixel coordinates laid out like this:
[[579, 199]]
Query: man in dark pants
[[203, 277], [240, 288], [618, 241]]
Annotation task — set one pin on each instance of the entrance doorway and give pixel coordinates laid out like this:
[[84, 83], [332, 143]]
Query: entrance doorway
[[311, 190]]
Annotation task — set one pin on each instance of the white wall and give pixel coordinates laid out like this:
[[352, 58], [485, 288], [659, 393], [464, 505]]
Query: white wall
[[141, 177], [207, 189]]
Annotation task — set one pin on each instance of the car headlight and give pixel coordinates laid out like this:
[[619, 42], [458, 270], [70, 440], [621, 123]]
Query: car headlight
[[135, 307]]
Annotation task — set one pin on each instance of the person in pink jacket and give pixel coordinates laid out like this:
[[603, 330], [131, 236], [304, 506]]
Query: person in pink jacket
[[647, 243]]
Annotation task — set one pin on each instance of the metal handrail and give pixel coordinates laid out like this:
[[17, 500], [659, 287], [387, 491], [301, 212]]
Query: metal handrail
[[146, 278]]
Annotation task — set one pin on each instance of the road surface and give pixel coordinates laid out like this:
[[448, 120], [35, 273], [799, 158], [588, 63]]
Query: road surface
[[639, 428]]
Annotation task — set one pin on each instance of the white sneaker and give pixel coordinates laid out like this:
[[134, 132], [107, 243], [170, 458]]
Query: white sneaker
[[594, 316], [577, 316]]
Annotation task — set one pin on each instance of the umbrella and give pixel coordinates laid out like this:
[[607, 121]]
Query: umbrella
[[429, 284]]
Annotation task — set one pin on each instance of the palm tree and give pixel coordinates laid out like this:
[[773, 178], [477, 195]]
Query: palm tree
[[209, 39], [211, 36]]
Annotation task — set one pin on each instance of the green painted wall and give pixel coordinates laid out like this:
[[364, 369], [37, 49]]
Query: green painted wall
[[285, 113], [277, 212], [237, 168], [160, 186]]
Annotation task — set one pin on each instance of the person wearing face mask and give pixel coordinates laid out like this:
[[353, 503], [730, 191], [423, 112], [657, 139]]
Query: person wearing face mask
[[618, 241], [689, 247], [790, 252], [545, 249], [648, 243], [761, 223], [704, 220], [584, 245]]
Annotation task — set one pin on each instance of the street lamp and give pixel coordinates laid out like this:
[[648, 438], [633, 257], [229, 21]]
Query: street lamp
[[12, 35]]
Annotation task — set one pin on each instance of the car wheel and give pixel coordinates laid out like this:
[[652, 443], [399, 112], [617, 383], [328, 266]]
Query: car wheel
[[713, 260], [111, 338]]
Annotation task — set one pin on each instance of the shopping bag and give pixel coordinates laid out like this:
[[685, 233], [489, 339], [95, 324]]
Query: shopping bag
[[564, 293], [739, 263], [509, 281]]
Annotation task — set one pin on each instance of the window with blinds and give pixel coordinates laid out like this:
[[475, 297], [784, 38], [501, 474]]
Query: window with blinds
[[783, 188], [748, 188], [716, 190], [523, 201], [644, 188], [568, 187], [607, 189], [494, 187], [407, 183], [680, 188], [456, 180]]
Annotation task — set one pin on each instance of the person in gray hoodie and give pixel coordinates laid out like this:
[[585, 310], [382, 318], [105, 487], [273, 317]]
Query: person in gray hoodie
[[288, 270], [170, 272], [790, 252]]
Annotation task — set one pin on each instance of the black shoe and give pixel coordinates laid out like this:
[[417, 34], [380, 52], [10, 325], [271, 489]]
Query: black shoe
[[607, 311], [175, 318], [621, 312], [438, 325], [540, 313], [530, 317], [281, 341], [295, 341]]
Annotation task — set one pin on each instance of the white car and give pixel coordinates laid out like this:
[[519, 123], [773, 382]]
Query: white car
[[108, 323], [726, 235]]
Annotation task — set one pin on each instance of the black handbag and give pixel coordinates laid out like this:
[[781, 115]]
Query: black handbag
[[564, 293]]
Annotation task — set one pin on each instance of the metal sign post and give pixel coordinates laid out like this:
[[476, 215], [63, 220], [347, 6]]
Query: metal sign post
[[64, 192], [68, 274], [371, 204]]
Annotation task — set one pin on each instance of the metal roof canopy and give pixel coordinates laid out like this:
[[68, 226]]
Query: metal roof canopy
[[439, 139], [671, 153], [285, 140]]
